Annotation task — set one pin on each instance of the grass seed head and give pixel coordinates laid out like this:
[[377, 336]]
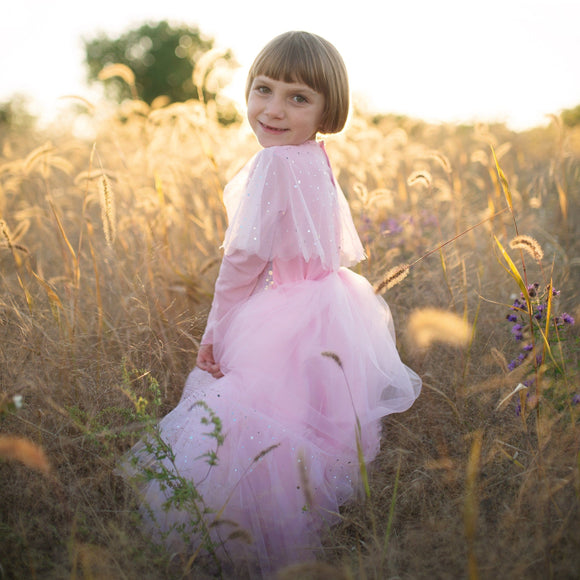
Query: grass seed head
[[24, 451], [430, 325], [392, 278], [529, 245], [117, 70], [442, 160], [6, 233], [333, 356], [107, 201], [423, 177]]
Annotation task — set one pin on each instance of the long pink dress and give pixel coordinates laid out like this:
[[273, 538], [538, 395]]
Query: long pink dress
[[308, 353]]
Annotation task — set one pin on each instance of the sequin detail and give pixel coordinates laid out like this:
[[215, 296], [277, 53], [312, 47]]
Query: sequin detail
[[285, 204]]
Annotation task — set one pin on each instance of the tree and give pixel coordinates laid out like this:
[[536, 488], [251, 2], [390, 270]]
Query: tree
[[161, 56], [571, 117], [15, 113]]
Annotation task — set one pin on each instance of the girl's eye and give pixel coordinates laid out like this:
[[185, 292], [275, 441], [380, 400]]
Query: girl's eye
[[300, 99], [262, 89]]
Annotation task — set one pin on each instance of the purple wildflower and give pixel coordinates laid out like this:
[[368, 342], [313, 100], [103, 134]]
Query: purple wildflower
[[517, 332], [392, 227], [576, 399], [567, 318], [540, 310]]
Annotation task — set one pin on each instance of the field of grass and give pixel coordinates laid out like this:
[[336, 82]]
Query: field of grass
[[109, 248]]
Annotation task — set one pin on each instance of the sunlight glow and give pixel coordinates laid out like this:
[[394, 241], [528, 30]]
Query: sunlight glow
[[449, 61]]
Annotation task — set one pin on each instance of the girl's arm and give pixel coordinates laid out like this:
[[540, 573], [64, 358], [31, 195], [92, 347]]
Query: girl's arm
[[238, 275]]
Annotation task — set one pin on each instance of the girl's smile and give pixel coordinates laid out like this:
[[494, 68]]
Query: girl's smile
[[282, 113], [273, 130]]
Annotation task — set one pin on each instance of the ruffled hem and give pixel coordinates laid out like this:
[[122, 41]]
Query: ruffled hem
[[301, 393]]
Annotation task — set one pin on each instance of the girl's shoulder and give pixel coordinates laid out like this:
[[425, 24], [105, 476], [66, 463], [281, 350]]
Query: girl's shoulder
[[294, 153], [308, 157]]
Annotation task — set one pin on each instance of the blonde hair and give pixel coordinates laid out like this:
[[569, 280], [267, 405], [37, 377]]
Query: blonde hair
[[310, 59]]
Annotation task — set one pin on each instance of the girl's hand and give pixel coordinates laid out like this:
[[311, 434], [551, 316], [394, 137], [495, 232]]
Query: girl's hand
[[206, 362]]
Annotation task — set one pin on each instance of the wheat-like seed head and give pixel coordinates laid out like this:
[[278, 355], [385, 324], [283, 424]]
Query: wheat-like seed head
[[37, 154], [361, 191], [442, 160], [502, 149], [529, 245], [6, 233], [422, 176], [265, 452], [333, 356], [88, 105], [117, 70], [134, 107], [430, 325], [25, 451], [500, 359], [160, 102], [107, 209], [91, 176], [203, 68], [392, 278]]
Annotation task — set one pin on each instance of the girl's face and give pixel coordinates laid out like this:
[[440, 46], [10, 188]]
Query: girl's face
[[282, 113]]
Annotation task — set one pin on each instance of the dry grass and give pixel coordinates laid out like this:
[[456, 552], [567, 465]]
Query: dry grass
[[108, 256]]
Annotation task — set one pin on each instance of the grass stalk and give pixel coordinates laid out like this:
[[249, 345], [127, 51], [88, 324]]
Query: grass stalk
[[391, 516]]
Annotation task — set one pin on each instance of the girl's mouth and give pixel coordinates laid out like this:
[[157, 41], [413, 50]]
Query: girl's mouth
[[273, 130]]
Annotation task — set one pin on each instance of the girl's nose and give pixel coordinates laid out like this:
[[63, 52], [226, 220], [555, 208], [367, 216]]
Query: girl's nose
[[275, 107]]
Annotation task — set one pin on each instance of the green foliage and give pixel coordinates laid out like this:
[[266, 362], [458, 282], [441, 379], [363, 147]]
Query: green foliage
[[155, 461], [15, 113], [161, 56], [571, 117]]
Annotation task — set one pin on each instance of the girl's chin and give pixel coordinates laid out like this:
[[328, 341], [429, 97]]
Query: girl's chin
[[268, 140]]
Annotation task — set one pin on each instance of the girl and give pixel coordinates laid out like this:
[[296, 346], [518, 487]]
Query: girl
[[298, 359]]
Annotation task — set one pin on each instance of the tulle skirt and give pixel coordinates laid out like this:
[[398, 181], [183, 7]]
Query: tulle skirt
[[310, 368]]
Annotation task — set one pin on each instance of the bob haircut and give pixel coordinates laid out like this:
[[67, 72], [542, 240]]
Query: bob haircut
[[310, 59]]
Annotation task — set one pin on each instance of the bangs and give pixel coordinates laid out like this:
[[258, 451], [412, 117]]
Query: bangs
[[291, 63]]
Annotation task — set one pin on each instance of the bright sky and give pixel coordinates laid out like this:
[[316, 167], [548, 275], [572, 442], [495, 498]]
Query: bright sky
[[445, 60]]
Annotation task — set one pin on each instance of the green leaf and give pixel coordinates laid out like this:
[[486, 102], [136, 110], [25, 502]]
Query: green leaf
[[514, 272], [504, 182]]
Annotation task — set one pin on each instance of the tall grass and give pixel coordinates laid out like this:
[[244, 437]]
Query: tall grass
[[108, 255]]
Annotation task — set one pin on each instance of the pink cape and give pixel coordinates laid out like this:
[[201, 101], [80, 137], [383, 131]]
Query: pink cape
[[310, 362]]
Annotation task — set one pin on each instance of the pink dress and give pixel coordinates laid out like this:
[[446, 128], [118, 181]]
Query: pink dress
[[308, 353]]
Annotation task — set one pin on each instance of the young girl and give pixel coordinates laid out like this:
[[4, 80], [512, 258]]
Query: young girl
[[298, 359]]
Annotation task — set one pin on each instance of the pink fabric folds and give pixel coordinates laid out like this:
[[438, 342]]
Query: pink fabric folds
[[310, 362], [285, 203]]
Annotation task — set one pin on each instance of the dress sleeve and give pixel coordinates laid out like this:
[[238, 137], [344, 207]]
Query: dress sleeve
[[237, 279], [285, 204], [255, 201]]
